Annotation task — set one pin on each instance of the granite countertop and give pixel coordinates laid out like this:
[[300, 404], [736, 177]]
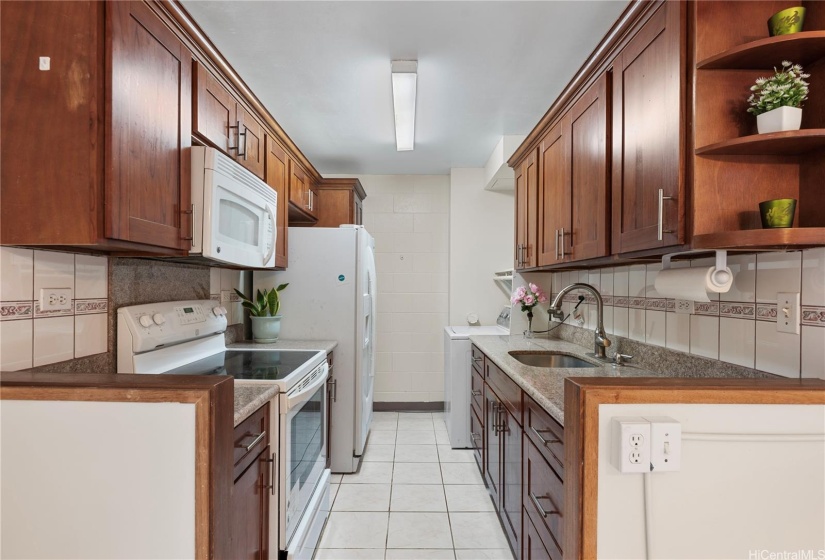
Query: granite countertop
[[251, 395], [546, 385]]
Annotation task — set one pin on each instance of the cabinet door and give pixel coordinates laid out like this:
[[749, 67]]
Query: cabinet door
[[589, 174], [647, 116], [214, 111], [149, 114], [359, 211], [250, 511], [492, 445], [251, 153], [477, 440], [526, 214], [277, 177], [298, 186], [511, 499], [554, 194]]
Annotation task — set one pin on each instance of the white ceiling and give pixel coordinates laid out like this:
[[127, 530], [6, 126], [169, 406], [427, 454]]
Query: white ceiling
[[484, 69]]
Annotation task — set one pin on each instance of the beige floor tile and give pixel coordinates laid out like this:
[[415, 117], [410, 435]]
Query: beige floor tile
[[416, 473], [335, 478], [333, 491], [477, 530], [418, 497], [349, 554], [370, 473], [347, 529], [415, 415], [416, 454], [384, 425], [415, 424], [447, 454], [419, 554], [384, 415], [377, 452], [415, 437], [362, 497], [419, 530], [468, 497], [461, 473], [382, 438], [487, 554], [442, 437]]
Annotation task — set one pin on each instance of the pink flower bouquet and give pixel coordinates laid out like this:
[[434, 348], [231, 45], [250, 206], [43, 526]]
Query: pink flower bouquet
[[528, 296]]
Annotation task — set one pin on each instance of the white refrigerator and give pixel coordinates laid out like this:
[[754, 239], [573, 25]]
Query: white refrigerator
[[331, 296]]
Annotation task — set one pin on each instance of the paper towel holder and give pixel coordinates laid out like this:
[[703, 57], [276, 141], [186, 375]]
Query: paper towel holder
[[721, 274]]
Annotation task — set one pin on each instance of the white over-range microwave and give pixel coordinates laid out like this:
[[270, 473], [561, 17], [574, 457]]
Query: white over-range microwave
[[233, 212]]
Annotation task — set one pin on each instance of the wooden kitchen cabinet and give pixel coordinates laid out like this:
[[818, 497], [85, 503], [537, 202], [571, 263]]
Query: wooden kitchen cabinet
[[277, 177], [648, 135], [303, 198], [492, 445], [340, 201], [554, 216], [119, 176], [526, 200]]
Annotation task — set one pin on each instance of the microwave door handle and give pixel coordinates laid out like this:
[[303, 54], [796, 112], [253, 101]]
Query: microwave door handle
[[274, 234], [293, 400]]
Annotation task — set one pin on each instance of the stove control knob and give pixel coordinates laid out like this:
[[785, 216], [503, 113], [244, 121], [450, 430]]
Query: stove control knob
[[145, 321], [158, 318], [217, 311], [223, 310]]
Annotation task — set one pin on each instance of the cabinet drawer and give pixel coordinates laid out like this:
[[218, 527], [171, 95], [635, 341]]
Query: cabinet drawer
[[545, 433], [505, 388], [477, 440], [251, 437], [477, 393], [543, 496], [533, 547], [477, 359]]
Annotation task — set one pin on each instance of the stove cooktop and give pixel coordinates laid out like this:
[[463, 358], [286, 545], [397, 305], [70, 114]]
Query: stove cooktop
[[262, 365]]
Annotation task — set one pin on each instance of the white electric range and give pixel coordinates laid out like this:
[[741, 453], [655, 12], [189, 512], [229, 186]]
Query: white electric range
[[187, 338]]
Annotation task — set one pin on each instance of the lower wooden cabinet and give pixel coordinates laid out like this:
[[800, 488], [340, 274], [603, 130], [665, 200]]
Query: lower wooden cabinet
[[533, 547]]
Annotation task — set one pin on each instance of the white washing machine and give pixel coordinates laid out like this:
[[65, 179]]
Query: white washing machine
[[457, 376]]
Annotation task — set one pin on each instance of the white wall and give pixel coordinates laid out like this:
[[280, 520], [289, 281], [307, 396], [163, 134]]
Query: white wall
[[731, 499], [481, 243], [408, 215], [737, 327]]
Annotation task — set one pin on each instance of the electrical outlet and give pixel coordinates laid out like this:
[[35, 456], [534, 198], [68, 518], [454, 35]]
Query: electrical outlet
[[683, 306], [55, 299], [665, 444], [787, 313], [630, 444]]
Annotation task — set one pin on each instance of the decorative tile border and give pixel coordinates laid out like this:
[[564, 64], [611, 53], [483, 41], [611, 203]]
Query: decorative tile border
[[706, 308], [813, 316], [657, 304], [16, 310], [215, 297], [637, 303], [90, 306], [40, 314], [738, 310], [766, 312], [621, 301]]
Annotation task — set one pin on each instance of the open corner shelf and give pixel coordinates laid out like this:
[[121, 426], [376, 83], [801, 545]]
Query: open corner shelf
[[800, 48], [779, 238], [790, 142]]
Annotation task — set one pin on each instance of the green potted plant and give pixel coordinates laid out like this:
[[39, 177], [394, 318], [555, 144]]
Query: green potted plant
[[263, 311], [777, 101]]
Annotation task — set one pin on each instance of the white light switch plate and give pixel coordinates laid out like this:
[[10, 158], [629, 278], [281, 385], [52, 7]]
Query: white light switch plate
[[787, 312], [665, 444]]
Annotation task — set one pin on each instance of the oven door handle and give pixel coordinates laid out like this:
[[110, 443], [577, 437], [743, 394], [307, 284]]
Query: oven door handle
[[294, 399]]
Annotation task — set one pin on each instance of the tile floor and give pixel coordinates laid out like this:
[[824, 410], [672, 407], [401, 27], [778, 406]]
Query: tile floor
[[414, 498]]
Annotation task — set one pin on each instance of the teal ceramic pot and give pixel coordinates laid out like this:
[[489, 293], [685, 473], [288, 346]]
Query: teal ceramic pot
[[787, 21], [266, 329], [777, 213]]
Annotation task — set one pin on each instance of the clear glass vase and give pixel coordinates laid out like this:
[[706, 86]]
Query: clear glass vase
[[529, 332]]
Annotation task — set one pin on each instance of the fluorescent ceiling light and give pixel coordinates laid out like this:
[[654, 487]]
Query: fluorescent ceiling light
[[404, 78]]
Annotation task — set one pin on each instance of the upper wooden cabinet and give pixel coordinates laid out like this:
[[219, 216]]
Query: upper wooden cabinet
[[220, 120], [648, 126], [303, 198], [277, 177], [554, 194], [526, 211], [340, 202], [118, 176]]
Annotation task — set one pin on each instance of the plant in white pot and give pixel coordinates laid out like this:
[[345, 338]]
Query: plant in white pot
[[263, 311], [777, 101]]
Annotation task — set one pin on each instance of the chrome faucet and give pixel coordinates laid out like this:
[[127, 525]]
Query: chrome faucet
[[601, 341]]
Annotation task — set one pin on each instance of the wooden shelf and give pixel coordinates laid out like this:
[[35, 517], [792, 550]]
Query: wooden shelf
[[800, 48], [791, 142], [780, 238]]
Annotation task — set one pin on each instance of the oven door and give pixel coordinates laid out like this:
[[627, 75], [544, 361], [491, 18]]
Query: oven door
[[238, 221], [303, 448]]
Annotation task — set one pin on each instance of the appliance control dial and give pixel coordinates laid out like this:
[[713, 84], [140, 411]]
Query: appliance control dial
[[145, 321], [217, 311], [158, 318], [223, 310]]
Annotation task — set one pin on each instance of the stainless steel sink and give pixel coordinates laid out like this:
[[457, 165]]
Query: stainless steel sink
[[550, 360]]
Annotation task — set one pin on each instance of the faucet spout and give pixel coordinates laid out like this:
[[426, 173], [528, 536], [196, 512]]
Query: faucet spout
[[601, 341]]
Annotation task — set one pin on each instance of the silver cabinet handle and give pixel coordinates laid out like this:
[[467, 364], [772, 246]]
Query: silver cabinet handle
[[496, 418], [544, 442], [556, 254], [660, 223], [476, 393], [562, 243], [333, 389], [504, 426], [476, 359], [255, 442], [518, 255], [191, 214], [238, 143], [538, 505], [271, 461]]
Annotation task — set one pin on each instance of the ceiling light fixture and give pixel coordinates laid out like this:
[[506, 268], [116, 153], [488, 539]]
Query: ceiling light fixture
[[404, 77]]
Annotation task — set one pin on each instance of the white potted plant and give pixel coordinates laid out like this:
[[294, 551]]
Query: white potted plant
[[777, 101], [263, 311]]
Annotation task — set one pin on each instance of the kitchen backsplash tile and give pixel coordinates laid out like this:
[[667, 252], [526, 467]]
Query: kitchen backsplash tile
[[16, 344], [777, 272], [53, 340], [813, 352], [53, 270], [16, 274], [813, 277], [90, 334], [777, 352], [743, 288], [704, 336], [91, 276], [737, 340]]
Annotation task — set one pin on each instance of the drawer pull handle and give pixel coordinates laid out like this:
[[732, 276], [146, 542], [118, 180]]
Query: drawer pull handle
[[271, 461], [255, 442], [475, 436], [538, 505], [477, 359], [476, 393], [544, 442]]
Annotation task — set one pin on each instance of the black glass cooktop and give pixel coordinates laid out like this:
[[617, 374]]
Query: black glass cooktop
[[268, 365]]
